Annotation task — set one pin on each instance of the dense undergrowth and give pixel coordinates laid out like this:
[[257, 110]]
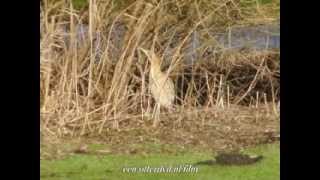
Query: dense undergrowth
[[90, 91]]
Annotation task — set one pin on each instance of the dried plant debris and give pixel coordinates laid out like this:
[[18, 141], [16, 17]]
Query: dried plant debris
[[94, 81]]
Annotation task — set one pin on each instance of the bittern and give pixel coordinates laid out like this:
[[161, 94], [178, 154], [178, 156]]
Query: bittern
[[160, 85]]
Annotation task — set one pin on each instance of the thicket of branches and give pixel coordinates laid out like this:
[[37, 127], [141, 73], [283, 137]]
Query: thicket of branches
[[93, 85]]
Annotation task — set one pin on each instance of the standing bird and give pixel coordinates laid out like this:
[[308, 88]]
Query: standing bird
[[160, 85]]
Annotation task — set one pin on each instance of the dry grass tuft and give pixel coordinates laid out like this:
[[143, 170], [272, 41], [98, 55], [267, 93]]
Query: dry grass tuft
[[99, 84]]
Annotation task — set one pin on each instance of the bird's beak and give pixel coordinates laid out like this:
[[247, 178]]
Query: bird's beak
[[146, 52]]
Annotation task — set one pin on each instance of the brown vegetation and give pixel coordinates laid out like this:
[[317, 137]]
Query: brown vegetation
[[81, 95]]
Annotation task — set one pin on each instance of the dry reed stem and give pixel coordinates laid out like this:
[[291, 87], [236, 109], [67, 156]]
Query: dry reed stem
[[78, 91]]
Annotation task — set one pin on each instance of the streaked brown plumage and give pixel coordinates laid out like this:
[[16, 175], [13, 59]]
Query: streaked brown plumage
[[160, 85]]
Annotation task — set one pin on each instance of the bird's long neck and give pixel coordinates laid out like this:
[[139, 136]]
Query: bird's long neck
[[155, 67]]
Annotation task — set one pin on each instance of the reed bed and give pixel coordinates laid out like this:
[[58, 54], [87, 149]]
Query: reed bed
[[99, 84]]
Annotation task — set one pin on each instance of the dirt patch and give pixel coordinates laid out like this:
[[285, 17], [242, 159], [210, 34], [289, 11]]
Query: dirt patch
[[211, 129], [214, 129]]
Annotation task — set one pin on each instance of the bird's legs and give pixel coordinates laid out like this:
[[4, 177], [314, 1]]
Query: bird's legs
[[156, 115], [154, 111]]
